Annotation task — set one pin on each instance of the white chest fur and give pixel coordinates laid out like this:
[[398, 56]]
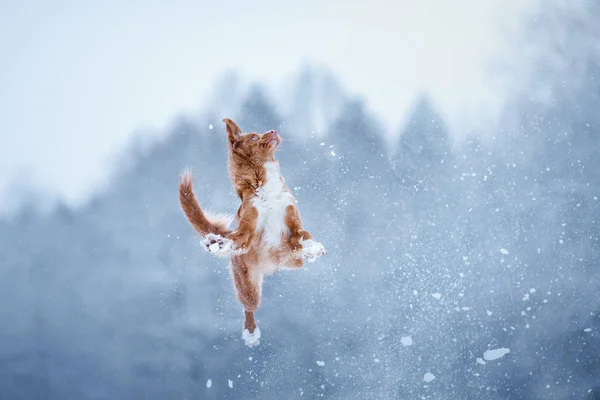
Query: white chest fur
[[271, 203]]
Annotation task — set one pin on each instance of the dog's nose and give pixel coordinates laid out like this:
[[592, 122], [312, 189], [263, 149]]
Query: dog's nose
[[272, 133]]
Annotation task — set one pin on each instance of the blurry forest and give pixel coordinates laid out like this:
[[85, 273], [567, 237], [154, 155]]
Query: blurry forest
[[465, 246]]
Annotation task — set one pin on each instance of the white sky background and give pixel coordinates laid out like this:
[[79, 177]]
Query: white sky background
[[78, 78]]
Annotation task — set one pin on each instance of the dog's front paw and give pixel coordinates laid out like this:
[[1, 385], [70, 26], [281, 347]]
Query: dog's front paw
[[216, 244], [311, 250]]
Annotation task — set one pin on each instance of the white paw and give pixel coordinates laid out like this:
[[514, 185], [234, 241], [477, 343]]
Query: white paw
[[311, 250], [251, 339], [216, 244]]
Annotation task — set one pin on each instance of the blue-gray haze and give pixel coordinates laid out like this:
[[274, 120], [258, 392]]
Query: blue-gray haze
[[487, 243]]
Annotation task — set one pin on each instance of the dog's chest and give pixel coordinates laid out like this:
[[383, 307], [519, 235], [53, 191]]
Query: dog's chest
[[271, 204]]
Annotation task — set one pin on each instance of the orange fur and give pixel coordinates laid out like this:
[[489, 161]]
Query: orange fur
[[269, 235]]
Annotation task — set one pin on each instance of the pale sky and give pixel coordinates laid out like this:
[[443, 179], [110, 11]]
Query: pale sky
[[78, 78]]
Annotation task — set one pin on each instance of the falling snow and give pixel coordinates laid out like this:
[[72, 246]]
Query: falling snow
[[406, 341], [495, 354]]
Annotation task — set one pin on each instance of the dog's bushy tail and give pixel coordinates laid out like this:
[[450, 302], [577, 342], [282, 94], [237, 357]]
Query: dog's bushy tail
[[203, 223]]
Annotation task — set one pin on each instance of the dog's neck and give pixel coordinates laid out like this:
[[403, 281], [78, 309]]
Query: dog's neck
[[261, 179], [272, 184]]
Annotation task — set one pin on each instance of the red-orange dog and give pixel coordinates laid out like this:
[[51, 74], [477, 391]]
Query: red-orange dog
[[269, 235]]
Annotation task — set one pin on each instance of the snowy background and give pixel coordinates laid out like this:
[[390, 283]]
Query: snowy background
[[463, 246]]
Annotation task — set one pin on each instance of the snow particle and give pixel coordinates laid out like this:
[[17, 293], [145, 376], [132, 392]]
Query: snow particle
[[504, 251], [494, 354], [321, 363], [436, 296], [230, 383], [406, 341], [209, 383], [587, 330], [210, 126], [489, 313], [480, 361], [428, 377]]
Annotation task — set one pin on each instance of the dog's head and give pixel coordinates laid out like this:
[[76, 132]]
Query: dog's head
[[254, 148]]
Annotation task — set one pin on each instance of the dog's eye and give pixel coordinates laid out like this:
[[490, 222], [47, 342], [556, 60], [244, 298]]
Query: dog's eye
[[254, 138]]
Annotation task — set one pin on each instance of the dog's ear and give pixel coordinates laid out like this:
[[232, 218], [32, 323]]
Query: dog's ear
[[233, 131]]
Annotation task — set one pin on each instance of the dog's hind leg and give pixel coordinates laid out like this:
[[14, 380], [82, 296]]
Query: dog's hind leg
[[248, 288]]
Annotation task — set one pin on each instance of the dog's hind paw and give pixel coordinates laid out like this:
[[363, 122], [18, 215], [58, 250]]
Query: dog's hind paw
[[311, 250], [216, 244], [251, 339]]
